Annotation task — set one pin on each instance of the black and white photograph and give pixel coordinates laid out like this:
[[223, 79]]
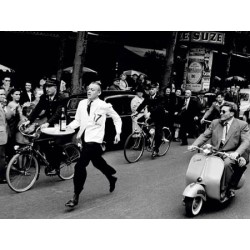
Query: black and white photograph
[[142, 126]]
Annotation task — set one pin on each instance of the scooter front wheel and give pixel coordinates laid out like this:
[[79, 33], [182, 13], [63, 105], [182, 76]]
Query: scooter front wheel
[[193, 205]]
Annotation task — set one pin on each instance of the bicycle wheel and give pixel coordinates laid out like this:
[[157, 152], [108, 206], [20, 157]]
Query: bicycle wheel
[[22, 172], [134, 147], [166, 141], [71, 154]]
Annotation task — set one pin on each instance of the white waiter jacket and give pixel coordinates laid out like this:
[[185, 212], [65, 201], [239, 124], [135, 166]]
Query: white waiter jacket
[[94, 123]]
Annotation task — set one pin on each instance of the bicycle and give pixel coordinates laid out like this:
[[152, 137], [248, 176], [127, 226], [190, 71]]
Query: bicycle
[[23, 169], [143, 139]]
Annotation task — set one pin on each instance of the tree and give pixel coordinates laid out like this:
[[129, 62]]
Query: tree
[[231, 46], [154, 65], [62, 46], [81, 45], [169, 60]]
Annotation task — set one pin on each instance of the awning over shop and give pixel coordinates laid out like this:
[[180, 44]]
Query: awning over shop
[[141, 51], [5, 69]]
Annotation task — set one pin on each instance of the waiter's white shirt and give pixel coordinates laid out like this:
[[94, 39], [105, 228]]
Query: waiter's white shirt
[[94, 123]]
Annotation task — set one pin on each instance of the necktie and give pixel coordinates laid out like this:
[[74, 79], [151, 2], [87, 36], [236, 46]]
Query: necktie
[[88, 107], [224, 133], [185, 105]]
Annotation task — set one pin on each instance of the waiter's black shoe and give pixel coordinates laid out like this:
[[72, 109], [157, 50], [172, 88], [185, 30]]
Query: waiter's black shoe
[[73, 202], [112, 182], [50, 171], [230, 193]]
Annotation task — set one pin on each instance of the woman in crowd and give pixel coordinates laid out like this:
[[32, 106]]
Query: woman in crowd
[[177, 107], [142, 80], [123, 82], [135, 102], [40, 88]]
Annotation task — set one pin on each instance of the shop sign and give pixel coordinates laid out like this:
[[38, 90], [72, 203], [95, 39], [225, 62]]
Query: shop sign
[[202, 37]]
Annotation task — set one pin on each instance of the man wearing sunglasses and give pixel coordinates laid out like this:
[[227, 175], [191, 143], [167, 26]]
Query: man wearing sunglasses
[[231, 135]]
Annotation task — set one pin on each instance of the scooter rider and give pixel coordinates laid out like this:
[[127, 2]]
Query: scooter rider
[[231, 135]]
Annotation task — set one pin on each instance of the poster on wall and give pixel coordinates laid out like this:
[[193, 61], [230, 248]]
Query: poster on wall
[[198, 69]]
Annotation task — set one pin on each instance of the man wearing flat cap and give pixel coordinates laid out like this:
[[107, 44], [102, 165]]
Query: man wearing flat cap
[[51, 102]]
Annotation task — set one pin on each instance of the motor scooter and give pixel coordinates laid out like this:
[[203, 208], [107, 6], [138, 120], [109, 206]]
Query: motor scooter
[[203, 179]]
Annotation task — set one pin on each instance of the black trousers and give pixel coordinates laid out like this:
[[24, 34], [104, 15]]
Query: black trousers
[[90, 152], [157, 117], [2, 162], [232, 174]]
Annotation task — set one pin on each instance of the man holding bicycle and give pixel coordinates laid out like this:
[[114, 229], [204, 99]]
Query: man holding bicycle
[[51, 102], [156, 113]]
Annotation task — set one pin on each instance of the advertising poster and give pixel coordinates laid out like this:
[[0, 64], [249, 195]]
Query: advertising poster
[[198, 69]]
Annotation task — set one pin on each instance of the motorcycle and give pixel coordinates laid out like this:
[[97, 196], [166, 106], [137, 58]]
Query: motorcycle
[[203, 179]]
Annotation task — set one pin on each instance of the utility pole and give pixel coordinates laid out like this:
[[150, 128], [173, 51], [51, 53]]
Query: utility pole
[[81, 46]]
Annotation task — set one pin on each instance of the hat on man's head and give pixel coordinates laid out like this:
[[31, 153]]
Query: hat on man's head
[[51, 82], [154, 85], [116, 79]]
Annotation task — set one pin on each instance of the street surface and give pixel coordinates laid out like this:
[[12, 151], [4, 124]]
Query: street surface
[[148, 189]]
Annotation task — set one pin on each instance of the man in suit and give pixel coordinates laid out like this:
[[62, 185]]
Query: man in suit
[[27, 95], [188, 114], [3, 135], [214, 110], [156, 113], [169, 105], [232, 96], [228, 134]]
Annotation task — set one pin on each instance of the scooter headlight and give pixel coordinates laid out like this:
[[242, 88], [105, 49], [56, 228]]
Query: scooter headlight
[[199, 179]]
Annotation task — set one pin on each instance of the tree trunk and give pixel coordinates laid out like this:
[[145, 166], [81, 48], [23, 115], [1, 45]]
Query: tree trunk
[[61, 56], [81, 45], [231, 48], [229, 62], [169, 60]]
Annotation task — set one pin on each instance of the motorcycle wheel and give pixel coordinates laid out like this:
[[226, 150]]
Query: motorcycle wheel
[[193, 206]]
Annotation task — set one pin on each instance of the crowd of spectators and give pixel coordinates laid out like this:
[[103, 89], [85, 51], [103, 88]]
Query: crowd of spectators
[[16, 105], [183, 110]]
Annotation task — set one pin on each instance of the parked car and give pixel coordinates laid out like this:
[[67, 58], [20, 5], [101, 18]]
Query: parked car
[[120, 101], [244, 101]]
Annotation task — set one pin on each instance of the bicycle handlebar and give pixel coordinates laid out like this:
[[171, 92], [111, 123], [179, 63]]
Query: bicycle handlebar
[[33, 134], [207, 121], [215, 152], [145, 123]]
